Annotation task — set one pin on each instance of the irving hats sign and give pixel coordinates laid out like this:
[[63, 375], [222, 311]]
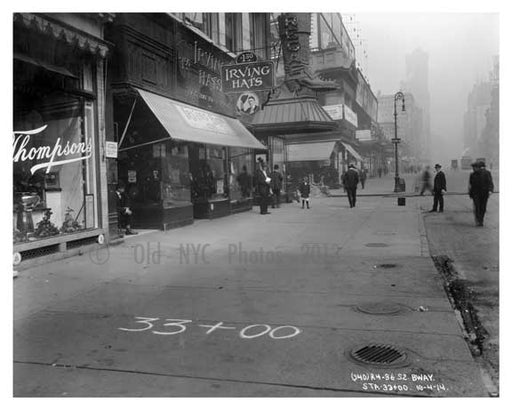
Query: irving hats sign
[[254, 76], [58, 154]]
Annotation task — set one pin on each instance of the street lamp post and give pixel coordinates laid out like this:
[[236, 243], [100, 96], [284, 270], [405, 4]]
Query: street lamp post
[[398, 96]]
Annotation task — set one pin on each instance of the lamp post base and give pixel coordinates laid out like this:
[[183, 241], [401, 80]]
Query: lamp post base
[[399, 184]]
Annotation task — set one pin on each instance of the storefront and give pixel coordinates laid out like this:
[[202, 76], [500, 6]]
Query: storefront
[[180, 162], [181, 152], [58, 205]]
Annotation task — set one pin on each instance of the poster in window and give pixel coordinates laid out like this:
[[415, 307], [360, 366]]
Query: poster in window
[[89, 211], [132, 176], [220, 186]]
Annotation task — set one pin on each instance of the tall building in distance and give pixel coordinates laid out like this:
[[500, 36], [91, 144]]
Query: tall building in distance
[[416, 83]]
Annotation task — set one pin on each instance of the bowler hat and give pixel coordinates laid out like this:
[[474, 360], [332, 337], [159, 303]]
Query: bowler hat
[[437, 166]]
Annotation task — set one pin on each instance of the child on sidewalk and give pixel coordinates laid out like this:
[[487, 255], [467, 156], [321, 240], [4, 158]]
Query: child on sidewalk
[[305, 189]]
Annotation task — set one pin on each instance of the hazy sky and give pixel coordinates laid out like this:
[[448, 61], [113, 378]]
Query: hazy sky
[[460, 48]]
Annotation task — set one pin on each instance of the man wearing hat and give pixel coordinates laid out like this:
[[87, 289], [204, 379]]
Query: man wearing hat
[[480, 187], [439, 189], [350, 180]]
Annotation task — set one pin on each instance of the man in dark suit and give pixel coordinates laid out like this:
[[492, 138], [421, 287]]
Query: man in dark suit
[[480, 187], [263, 187], [350, 180], [439, 189], [276, 181]]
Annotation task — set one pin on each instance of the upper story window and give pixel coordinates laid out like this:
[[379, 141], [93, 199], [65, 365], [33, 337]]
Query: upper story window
[[233, 27], [258, 30], [196, 19], [211, 26], [329, 30]]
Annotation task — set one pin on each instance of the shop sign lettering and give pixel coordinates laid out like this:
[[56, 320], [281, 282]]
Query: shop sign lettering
[[248, 77], [204, 120], [53, 154]]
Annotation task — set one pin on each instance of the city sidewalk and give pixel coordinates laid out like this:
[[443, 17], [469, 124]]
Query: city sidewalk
[[381, 186], [248, 305]]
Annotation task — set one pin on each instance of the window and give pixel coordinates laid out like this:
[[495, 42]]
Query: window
[[240, 179], [233, 23], [211, 26], [258, 26]]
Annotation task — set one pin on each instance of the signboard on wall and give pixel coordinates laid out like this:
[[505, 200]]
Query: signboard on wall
[[335, 111], [111, 149], [363, 135], [255, 76], [349, 115]]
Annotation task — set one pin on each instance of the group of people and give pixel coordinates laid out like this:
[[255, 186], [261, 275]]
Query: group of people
[[480, 188], [268, 187]]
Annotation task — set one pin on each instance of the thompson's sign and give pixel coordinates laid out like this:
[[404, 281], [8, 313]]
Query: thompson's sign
[[58, 154], [255, 76]]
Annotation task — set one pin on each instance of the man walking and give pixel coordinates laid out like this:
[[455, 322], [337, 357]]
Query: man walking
[[425, 179], [480, 187], [350, 181], [276, 182], [363, 177], [439, 189]]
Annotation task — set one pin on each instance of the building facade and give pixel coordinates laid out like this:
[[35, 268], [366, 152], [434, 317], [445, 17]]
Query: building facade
[[60, 202], [183, 153]]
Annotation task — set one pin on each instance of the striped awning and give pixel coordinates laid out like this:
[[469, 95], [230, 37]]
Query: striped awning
[[352, 151], [189, 123]]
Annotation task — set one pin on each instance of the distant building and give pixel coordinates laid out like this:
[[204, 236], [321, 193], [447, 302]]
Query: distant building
[[410, 125], [417, 84]]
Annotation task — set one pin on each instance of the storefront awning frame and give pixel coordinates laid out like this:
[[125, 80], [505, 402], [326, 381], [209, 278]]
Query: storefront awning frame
[[310, 151], [185, 122]]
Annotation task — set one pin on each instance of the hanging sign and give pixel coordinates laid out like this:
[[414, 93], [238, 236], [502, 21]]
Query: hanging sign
[[256, 76], [246, 57], [111, 149]]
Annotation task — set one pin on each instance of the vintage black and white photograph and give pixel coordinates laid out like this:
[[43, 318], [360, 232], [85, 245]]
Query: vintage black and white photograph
[[285, 202]]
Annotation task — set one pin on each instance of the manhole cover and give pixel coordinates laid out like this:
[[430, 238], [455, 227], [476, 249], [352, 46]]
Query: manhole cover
[[380, 308], [376, 245], [379, 355]]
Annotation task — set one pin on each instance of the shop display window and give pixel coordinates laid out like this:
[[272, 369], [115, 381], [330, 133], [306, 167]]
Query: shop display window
[[208, 172], [240, 178], [175, 176], [54, 178], [156, 174]]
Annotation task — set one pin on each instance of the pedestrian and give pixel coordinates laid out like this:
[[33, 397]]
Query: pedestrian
[[363, 177], [425, 181], [276, 182], [244, 181], [439, 189], [305, 190], [480, 188], [379, 171], [124, 211], [263, 187], [350, 181]]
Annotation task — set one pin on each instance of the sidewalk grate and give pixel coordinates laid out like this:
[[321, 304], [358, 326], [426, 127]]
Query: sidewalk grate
[[377, 245], [378, 354], [380, 308]]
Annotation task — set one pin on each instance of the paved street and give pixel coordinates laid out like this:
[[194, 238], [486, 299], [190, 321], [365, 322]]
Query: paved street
[[475, 255], [249, 305]]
